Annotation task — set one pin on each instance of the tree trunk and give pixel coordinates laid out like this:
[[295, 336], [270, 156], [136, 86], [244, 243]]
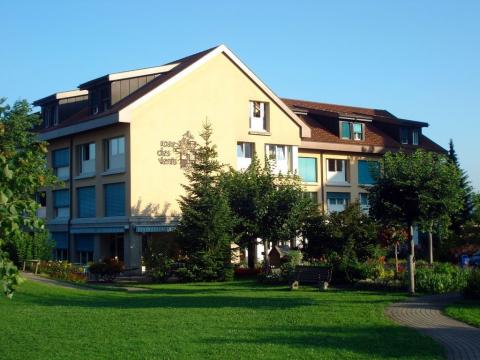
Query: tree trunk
[[396, 258], [252, 254], [266, 262], [411, 262], [430, 245]]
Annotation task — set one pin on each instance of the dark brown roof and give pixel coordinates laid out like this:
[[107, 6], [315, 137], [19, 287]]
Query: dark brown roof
[[323, 133], [343, 110], [183, 64], [320, 117]]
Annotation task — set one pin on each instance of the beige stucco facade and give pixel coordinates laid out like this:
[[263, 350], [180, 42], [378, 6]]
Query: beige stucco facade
[[217, 92]]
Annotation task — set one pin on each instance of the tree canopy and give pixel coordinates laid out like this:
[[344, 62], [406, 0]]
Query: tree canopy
[[23, 172]]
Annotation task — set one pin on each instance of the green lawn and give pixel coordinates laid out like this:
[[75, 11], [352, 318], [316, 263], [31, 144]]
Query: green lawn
[[466, 310], [238, 320]]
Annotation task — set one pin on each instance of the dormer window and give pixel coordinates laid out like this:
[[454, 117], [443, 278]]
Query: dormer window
[[404, 135], [258, 116], [50, 115], [409, 136], [352, 130], [415, 136]]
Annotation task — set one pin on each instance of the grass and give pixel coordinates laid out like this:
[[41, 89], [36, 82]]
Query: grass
[[466, 310], [240, 320]]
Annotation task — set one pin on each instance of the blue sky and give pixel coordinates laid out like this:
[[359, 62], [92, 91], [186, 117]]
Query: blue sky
[[417, 59]]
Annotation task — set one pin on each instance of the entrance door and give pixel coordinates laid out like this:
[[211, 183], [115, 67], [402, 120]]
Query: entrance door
[[112, 246]]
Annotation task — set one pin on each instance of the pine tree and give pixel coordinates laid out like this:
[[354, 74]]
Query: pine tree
[[467, 192], [205, 228]]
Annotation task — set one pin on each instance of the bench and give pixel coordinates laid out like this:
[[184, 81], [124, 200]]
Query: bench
[[318, 275], [33, 262]]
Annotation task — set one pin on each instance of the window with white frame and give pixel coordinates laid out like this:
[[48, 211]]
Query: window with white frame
[[244, 155], [115, 153], [409, 135], [87, 157], [415, 136], [337, 201], [337, 171], [363, 200], [281, 158], [352, 130], [258, 116]]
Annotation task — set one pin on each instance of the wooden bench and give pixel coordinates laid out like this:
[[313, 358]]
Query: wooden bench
[[318, 275], [36, 262]]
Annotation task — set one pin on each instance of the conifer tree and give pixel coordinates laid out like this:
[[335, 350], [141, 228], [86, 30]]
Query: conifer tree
[[205, 228], [467, 192]]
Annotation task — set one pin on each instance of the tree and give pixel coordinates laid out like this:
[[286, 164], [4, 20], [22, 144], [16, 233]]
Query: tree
[[465, 214], [246, 192], [205, 228], [415, 188], [343, 239], [23, 172], [287, 208], [267, 207]]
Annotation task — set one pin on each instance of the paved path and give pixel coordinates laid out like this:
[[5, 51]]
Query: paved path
[[66, 285], [461, 341]]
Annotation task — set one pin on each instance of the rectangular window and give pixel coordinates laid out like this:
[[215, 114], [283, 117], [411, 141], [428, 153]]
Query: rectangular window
[[60, 249], [357, 131], [84, 245], [352, 131], [61, 163], [281, 157], [86, 202], [312, 195], [345, 130], [86, 159], [244, 155], [61, 203], [258, 116], [307, 169], [115, 149], [114, 199], [368, 172], [404, 135], [415, 136], [337, 201], [363, 199], [337, 171]]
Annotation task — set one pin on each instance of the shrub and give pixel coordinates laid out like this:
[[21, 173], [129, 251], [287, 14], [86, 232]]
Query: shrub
[[441, 278], [294, 258], [63, 270], [241, 272], [472, 290], [107, 269]]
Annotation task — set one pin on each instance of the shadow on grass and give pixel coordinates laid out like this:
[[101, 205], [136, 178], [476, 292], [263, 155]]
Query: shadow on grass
[[379, 341]]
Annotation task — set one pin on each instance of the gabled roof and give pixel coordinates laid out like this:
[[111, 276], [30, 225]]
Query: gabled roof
[[350, 111], [173, 71]]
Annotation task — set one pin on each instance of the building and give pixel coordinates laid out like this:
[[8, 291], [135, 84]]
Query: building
[[120, 143]]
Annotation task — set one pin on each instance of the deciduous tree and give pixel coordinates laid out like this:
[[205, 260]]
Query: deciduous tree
[[23, 172], [415, 188]]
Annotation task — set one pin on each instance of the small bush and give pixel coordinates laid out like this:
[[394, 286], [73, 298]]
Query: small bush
[[242, 273], [107, 269], [63, 270], [472, 290], [441, 278]]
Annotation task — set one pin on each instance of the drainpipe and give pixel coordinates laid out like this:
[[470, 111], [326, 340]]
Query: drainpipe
[[322, 187], [70, 253]]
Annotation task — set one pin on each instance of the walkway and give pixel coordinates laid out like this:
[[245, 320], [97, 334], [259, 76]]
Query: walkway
[[461, 341], [66, 285]]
